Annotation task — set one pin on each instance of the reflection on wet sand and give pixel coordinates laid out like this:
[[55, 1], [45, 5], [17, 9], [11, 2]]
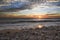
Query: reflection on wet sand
[[40, 26]]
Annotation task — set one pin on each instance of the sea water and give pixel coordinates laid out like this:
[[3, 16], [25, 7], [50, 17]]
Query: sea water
[[27, 23]]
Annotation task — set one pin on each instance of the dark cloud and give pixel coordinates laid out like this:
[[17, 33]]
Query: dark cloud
[[16, 6], [1, 2], [53, 4]]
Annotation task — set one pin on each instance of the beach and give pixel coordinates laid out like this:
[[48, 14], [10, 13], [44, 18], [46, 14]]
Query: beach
[[30, 29], [44, 33]]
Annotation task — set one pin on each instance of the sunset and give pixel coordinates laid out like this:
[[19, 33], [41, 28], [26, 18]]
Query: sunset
[[29, 19], [15, 15]]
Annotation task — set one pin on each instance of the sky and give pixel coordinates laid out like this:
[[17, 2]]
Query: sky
[[30, 7]]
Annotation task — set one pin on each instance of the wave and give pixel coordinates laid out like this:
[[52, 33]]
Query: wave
[[27, 20]]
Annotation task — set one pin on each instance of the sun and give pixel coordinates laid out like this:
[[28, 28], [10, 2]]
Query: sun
[[39, 16]]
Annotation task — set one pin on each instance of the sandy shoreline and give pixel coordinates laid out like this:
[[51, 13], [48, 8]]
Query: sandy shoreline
[[45, 33]]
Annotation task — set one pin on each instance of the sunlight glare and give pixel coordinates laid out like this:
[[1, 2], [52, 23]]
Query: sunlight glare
[[40, 26]]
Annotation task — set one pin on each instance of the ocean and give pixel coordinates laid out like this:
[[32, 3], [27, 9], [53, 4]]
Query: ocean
[[27, 23]]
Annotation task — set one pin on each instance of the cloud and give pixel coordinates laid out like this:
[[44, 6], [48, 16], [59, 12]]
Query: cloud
[[19, 5], [53, 4], [16, 6], [1, 1]]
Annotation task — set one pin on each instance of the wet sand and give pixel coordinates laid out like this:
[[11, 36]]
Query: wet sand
[[45, 33]]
